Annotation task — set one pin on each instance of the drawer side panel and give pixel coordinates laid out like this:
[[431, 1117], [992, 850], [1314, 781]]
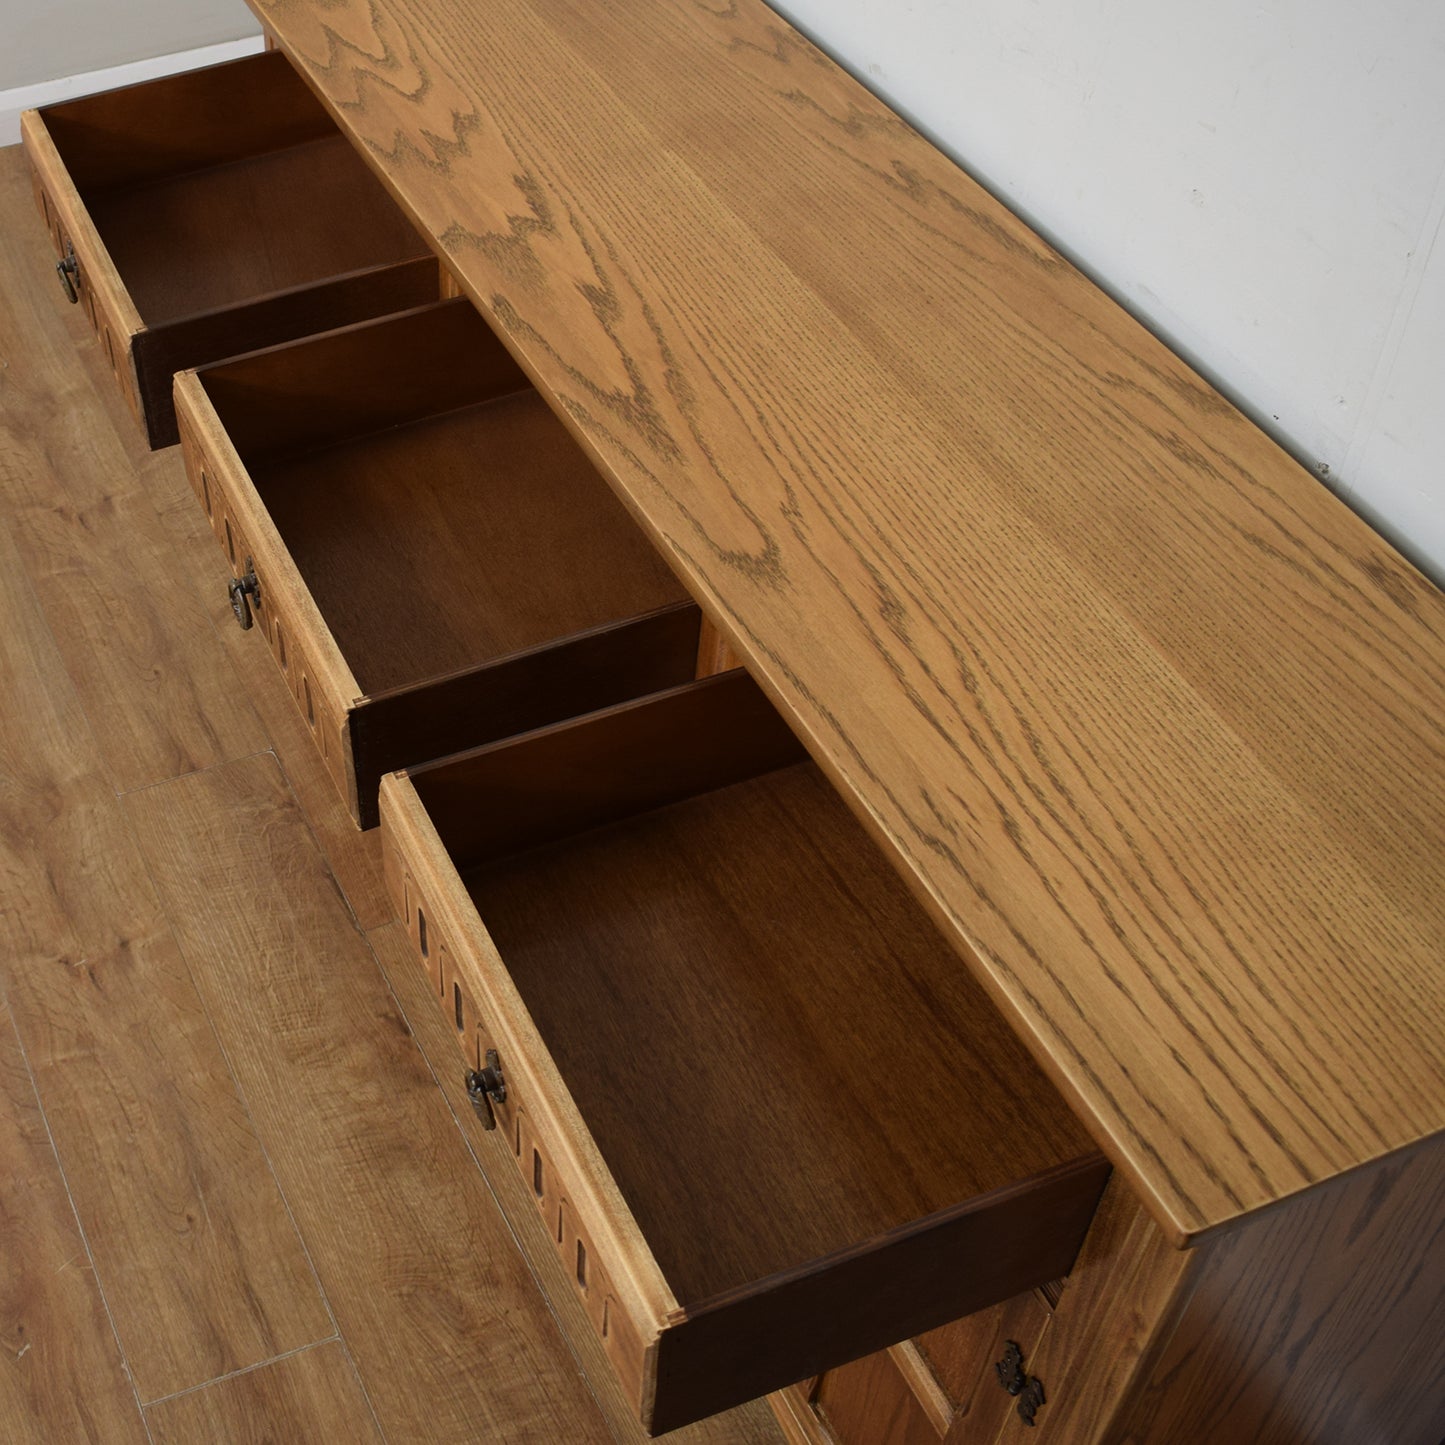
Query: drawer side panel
[[529, 690]]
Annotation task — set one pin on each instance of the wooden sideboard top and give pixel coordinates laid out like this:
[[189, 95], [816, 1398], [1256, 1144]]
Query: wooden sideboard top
[[1152, 722]]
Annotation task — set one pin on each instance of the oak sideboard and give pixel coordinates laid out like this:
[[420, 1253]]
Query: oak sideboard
[[950, 931]]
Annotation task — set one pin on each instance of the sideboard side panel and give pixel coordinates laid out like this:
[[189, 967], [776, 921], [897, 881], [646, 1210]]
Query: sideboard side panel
[[1323, 1323]]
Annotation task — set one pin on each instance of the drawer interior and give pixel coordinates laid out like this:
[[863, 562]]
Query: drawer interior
[[218, 186], [781, 1061], [740, 976], [440, 516]]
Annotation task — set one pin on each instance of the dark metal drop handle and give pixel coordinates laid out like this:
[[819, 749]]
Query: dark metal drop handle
[[245, 594], [486, 1087], [1027, 1389], [68, 269]]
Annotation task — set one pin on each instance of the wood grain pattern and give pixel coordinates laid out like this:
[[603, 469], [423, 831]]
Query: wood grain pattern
[[61, 1376], [1319, 1323], [1151, 721], [746, 1425], [438, 1310], [311, 1398]]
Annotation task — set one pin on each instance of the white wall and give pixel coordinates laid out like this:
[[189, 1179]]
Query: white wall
[[1262, 181], [43, 40]]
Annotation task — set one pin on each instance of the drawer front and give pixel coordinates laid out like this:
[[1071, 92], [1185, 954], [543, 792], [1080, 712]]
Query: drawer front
[[326, 716], [83, 268], [512, 1128]]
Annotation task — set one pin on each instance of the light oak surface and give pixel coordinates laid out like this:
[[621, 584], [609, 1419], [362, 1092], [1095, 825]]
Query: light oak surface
[[185, 1123], [1153, 723]]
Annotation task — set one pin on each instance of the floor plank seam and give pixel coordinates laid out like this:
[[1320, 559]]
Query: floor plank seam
[[80, 1228], [196, 772], [244, 1370], [241, 1093]]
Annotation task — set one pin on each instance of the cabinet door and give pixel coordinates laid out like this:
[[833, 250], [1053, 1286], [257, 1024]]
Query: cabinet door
[[940, 1387]]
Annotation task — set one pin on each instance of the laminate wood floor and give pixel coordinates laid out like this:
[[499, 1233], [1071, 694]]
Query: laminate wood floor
[[235, 1202]]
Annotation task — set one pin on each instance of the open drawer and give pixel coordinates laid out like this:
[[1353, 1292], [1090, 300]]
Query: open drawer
[[213, 213], [771, 1121], [432, 558]]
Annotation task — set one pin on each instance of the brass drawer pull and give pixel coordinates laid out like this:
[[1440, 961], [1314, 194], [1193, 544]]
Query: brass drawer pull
[[245, 594], [68, 269], [486, 1087]]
